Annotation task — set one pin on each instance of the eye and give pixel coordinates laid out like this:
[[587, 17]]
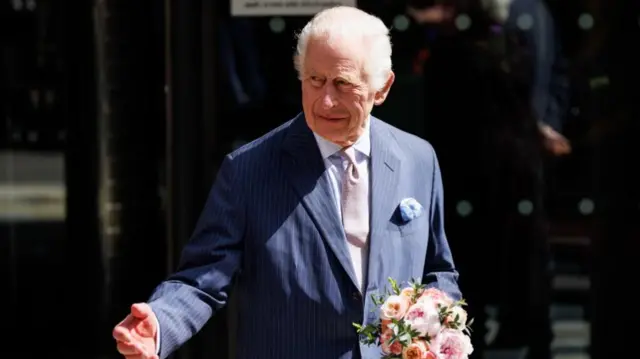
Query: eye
[[342, 82], [316, 81]]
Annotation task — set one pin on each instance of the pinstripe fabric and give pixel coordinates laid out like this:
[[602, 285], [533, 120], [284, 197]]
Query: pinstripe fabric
[[271, 230]]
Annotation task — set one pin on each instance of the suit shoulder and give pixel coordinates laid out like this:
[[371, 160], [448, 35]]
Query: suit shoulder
[[410, 143], [263, 146]]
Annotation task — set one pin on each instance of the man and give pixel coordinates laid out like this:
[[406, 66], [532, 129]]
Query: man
[[301, 229]]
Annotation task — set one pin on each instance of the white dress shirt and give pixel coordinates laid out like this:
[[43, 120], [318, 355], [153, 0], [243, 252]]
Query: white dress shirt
[[336, 166]]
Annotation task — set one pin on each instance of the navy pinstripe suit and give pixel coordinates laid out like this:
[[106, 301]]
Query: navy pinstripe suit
[[270, 228]]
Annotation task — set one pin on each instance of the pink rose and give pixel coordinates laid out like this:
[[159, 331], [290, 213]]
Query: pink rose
[[394, 307], [452, 344], [419, 349], [438, 296], [424, 318]]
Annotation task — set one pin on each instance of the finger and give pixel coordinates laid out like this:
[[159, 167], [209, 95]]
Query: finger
[[139, 356], [135, 350], [128, 349], [563, 146], [122, 334], [146, 328], [141, 310], [146, 355]]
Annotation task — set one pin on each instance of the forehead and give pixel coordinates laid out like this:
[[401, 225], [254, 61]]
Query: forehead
[[334, 57]]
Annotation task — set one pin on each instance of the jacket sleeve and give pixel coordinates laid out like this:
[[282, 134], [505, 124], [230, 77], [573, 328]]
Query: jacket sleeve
[[187, 299]]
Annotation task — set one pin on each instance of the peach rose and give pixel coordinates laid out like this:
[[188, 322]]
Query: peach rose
[[394, 348], [408, 293], [394, 307], [419, 349], [384, 324], [384, 341]]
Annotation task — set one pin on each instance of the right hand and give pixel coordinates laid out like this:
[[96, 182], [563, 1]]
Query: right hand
[[436, 14], [554, 142], [136, 335]]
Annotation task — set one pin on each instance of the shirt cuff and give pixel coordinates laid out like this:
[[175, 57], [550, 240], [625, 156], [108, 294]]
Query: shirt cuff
[[157, 335]]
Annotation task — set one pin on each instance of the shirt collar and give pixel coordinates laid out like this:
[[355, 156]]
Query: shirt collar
[[362, 145]]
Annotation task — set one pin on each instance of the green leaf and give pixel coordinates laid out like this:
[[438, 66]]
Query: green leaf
[[470, 322], [394, 286], [378, 300]]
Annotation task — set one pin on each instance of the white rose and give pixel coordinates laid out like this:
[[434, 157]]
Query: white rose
[[461, 314], [423, 317]]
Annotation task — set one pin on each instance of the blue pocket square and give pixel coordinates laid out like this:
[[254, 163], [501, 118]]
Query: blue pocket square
[[410, 209]]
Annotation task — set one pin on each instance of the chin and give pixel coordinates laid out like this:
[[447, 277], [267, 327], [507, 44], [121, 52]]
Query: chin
[[330, 126]]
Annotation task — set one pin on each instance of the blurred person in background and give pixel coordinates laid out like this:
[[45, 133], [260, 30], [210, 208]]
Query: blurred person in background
[[496, 96]]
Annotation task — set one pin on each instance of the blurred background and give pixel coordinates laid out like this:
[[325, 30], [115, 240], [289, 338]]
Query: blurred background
[[115, 115]]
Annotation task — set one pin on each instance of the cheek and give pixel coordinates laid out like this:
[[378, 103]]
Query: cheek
[[309, 99], [309, 91], [361, 106]]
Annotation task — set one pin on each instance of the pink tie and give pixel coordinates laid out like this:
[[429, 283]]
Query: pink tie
[[355, 214]]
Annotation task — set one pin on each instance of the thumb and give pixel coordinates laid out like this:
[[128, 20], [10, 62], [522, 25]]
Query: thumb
[[141, 311]]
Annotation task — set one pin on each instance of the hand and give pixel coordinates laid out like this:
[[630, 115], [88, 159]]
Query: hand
[[554, 142], [136, 334], [436, 14]]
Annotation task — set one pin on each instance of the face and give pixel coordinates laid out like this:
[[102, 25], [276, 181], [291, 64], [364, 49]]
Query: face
[[336, 96]]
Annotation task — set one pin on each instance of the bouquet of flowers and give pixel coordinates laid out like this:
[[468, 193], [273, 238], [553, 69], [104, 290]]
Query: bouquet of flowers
[[419, 323]]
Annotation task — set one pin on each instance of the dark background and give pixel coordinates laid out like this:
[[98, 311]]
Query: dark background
[[116, 114]]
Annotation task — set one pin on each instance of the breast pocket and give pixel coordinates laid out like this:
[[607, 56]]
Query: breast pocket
[[416, 226]]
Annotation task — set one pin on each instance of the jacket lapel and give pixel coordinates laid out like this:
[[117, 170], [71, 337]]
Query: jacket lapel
[[306, 171], [385, 179]]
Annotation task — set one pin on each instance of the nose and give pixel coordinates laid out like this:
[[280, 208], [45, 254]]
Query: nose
[[328, 98]]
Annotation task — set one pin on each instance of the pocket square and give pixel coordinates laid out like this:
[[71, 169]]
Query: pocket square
[[410, 209]]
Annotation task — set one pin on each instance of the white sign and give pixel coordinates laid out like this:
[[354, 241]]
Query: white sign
[[284, 7]]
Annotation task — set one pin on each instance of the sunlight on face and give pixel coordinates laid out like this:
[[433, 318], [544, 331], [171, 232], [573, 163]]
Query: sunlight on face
[[336, 96]]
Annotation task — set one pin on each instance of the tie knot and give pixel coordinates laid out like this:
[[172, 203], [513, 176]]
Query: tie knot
[[350, 154]]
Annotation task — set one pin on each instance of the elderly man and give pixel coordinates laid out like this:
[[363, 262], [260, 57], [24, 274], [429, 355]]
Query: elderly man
[[304, 223]]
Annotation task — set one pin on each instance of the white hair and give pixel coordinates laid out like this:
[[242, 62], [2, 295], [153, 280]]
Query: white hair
[[345, 21]]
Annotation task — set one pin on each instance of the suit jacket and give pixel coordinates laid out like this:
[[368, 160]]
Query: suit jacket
[[271, 230]]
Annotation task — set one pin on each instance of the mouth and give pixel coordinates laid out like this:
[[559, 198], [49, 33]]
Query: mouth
[[332, 118]]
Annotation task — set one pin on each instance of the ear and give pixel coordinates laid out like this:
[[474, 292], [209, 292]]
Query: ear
[[381, 95]]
